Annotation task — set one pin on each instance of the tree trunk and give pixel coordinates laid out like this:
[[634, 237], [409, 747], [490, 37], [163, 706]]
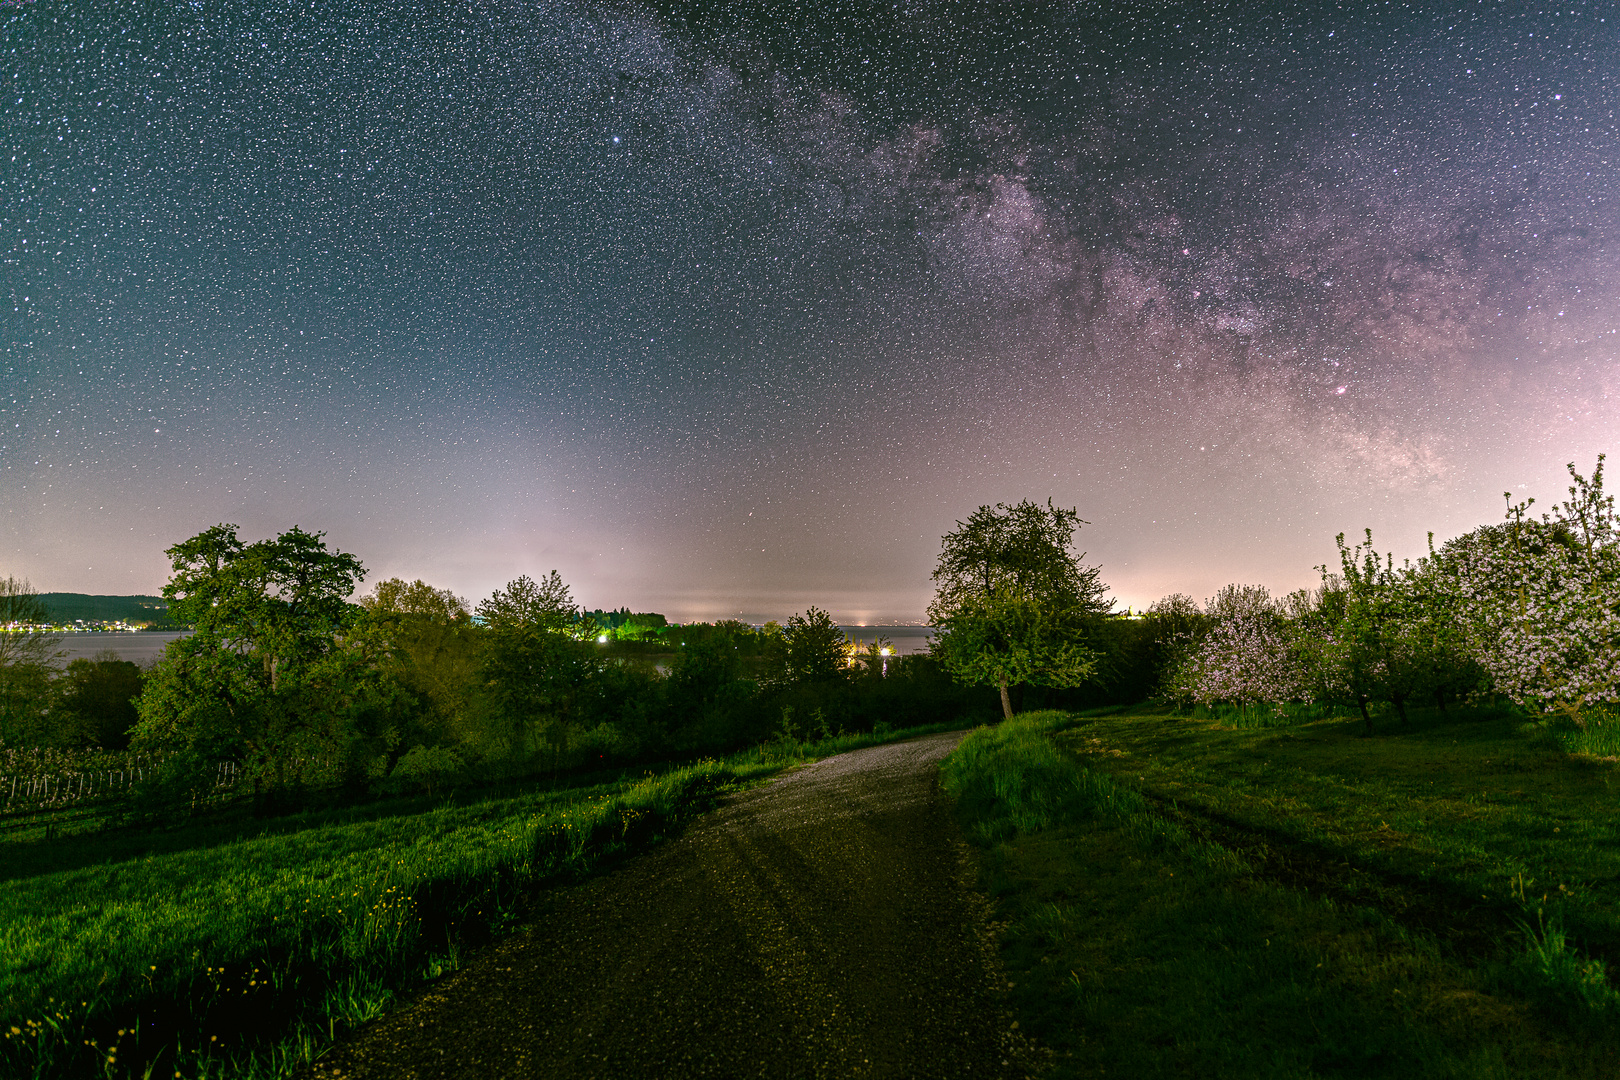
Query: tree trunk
[[1400, 707], [1006, 703], [1361, 701]]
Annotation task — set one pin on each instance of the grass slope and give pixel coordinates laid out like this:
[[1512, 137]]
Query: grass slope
[[196, 953], [1187, 900]]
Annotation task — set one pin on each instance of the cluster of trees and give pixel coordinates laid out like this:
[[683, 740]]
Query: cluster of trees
[[1528, 608], [412, 687]]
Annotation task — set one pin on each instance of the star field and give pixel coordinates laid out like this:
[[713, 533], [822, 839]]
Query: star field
[[731, 309]]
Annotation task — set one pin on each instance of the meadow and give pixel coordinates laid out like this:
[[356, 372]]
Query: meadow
[[1187, 897], [244, 946]]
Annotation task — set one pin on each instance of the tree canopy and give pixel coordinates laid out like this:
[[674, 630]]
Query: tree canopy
[[1024, 551], [526, 604]]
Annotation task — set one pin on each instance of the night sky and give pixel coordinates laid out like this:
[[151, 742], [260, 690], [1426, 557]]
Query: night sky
[[725, 310]]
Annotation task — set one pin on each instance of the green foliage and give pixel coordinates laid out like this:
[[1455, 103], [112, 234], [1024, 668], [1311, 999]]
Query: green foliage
[[277, 675], [1553, 968], [423, 639], [1003, 640], [428, 768], [25, 704], [95, 702], [530, 606], [281, 599], [817, 649], [1600, 737]]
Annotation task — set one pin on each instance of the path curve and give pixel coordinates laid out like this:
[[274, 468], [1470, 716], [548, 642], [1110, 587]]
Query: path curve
[[822, 925]]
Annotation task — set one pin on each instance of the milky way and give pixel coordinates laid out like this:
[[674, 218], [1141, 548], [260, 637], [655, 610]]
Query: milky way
[[732, 309]]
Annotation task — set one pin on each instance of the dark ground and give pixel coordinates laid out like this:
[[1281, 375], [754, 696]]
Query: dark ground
[[821, 926]]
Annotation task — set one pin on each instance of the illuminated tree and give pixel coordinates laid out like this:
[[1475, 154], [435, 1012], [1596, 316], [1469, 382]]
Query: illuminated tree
[[1012, 599]]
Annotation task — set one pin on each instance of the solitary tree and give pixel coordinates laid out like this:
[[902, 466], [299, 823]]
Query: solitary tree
[[271, 676], [1012, 599], [816, 648]]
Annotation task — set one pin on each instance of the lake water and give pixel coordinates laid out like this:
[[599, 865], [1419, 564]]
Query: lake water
[[139, 647], [905, 639]]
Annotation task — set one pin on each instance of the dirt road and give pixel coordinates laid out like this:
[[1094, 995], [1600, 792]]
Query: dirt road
[[819, 926]]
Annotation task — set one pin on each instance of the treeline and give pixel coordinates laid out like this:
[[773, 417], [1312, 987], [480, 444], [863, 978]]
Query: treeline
[[412, 688], [1528, 609]]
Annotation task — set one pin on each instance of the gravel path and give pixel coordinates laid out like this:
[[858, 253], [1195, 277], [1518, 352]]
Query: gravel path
[[819, 926]]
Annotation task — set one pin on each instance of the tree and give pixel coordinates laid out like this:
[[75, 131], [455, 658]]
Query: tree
[[817, 649], [273, 675], [431, 646], [1023, 551], [1366, 650], [1437, 656], [23, 639], [95, 702], [526, 604], [1543, 601], [1012, 599], [532, 668], [1003, 639], [27, 657], [396, 598], [1175, 624], [1244, 657]]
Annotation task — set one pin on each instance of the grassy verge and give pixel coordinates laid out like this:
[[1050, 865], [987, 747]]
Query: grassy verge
[[202, 955], [1186, 899]]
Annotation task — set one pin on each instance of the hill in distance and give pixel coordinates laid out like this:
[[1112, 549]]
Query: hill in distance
[[66, 607]]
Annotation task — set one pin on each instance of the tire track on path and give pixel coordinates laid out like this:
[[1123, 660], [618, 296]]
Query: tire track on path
[[823, 925]]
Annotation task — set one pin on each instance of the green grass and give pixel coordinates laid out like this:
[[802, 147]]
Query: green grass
[[208, 951], [1187, 899]]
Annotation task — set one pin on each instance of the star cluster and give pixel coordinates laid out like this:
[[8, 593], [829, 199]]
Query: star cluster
[[731, 309]]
